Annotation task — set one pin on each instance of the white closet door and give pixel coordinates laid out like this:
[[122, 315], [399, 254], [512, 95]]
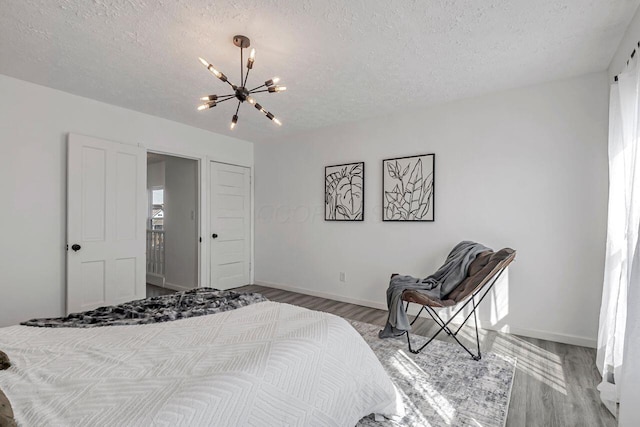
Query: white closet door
[[106, 214], [230, 226]]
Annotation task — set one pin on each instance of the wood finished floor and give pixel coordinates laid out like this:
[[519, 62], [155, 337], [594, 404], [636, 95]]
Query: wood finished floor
[[156, 291], [555, 384]]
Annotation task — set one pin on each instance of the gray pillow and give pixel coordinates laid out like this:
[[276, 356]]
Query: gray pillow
[[4, 361], [6, 413]]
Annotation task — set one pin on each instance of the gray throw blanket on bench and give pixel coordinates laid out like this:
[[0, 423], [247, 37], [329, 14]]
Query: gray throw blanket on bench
[[438, 285]]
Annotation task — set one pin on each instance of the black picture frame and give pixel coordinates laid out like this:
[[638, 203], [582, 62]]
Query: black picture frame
[[408, 191], [344, 192]]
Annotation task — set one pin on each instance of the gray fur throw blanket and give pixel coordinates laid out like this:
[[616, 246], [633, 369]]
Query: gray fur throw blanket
[[181, 305]]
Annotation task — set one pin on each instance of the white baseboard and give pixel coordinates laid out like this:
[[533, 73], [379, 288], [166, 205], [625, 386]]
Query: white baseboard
[[531, 333], [155, 279], [546, 335], [326, 295], [175, 287]]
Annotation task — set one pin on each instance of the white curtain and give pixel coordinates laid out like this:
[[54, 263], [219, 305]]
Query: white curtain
[[618, 356]]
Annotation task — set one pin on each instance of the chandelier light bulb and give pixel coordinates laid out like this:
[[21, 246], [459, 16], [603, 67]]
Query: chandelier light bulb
[[272, 81], [252, 58], [277, 121], [215, 72], [259, 107], [273, 89], [208, 105], [250, 100], [209, 98], [234, 120]]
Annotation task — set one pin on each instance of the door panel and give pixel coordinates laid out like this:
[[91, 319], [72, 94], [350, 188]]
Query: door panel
[[126, 279], [106, 213], [231, 222], [126, 203], [93, 280], [93, 187]]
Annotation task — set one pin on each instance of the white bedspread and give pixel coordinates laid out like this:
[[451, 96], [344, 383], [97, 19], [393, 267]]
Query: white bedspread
[[268, 364]]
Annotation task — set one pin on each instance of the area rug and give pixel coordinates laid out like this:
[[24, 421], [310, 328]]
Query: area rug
[[442, 386]]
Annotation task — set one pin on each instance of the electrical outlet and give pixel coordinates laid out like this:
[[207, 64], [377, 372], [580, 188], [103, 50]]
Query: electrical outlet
[[343, 277]]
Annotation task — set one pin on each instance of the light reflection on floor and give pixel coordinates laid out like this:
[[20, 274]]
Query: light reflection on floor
[[532, 360]]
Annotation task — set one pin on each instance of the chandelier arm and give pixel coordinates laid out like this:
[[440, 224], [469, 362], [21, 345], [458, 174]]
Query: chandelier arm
[[241, 67], [246, 77], [226, 99], [257, 87], [234, 87], [258, 91]]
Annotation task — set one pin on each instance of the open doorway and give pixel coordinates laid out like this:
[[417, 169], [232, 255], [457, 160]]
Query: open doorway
[[172, 224]]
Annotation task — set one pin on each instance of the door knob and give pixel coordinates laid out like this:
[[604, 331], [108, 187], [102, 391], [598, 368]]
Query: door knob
[[76, 247], [214, 236]]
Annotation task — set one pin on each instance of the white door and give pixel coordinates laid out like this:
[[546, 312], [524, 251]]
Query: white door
[[230, 226], [106, 214]]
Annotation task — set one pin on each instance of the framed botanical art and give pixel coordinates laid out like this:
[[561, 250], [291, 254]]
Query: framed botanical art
[[408, 188], [344, 192]]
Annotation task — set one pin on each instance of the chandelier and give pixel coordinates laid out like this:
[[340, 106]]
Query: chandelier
[[241, 93]]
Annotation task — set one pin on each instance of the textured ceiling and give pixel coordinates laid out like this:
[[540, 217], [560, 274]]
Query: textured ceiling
[[342, 60]]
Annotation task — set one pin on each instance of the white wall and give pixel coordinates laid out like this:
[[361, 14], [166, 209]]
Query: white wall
[[34, 123], [155, 174], [180, 223], [526, 169]]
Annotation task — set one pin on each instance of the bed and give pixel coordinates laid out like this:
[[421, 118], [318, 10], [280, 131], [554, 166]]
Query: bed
[[262, 364]]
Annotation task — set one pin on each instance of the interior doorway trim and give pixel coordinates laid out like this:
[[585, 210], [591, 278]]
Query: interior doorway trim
[[201, 209]]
